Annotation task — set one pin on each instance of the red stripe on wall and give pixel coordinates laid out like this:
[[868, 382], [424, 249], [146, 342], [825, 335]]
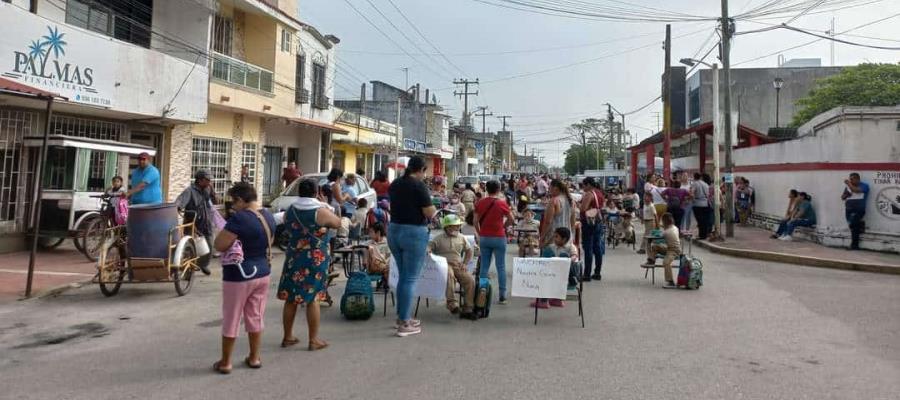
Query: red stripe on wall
[[817, 166]]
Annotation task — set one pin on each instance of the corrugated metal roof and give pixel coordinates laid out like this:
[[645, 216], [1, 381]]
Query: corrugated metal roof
[[7, 85]]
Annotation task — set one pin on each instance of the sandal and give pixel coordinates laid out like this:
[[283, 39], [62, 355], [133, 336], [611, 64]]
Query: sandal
[[251, 365], [289, 342], [217, 366], [317, 346]]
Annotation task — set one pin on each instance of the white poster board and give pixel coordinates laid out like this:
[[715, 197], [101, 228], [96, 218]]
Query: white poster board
[[432, 282], [470, 267], [540, 277]]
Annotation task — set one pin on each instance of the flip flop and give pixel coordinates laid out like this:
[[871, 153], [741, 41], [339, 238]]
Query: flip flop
[[314, 346], [218, 368], [289, 342], [251, 365]]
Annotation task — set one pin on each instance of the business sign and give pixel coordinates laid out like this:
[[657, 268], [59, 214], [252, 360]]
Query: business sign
[[544, 278], [432, 282], [56, 58]]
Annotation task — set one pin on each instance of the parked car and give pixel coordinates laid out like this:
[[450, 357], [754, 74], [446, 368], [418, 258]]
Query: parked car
[[289, 194]]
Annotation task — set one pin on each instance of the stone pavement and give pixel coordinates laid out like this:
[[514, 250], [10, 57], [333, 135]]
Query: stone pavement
[[54, 268], [755, 243]]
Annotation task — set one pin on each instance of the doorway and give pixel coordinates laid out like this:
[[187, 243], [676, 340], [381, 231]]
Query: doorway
[[272, 160]]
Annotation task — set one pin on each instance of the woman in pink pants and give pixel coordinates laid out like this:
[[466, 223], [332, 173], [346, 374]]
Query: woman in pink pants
[[245, 285]]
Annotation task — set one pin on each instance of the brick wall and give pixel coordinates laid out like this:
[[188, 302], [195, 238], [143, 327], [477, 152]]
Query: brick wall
[[179, 160], [237, 147]]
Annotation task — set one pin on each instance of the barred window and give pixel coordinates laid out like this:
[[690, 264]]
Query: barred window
[[248, 158], [213, 156], [285, 40]]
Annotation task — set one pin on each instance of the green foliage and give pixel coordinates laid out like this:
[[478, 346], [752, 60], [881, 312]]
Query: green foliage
[[580, 158], [862, 85]]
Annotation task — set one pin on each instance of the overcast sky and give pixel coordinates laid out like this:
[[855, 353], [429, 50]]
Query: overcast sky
[[616, 62]]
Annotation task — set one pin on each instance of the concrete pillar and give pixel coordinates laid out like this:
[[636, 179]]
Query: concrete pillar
[[702, 152], [634, 167], [181, 144], [651, 158]]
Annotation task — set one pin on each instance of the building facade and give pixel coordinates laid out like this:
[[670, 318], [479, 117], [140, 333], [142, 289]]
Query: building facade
[[124, 74], [369, 145]]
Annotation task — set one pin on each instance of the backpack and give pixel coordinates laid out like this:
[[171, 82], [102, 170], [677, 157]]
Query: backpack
[[690, 273], [358, 300], [377, 215], [482, 307]]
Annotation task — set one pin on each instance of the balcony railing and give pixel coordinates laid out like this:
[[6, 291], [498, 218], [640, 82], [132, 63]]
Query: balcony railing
[[241, 73], [321, 102], [301, 96]]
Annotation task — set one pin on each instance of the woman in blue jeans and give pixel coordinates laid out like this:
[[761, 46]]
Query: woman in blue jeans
[[592, 229], [492, 214], [411, 209]]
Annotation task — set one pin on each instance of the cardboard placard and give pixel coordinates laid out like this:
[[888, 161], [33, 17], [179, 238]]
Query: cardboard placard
[[432, 282], [470, 267], [540, 277]]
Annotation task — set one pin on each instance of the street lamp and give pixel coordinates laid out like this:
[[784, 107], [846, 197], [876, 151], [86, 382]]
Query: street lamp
[[717, 134], [777, 83]]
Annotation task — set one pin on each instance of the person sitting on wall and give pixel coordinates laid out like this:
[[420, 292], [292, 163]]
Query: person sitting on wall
[[804, 215]]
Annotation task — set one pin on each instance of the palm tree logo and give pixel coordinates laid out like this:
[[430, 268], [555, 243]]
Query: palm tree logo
[[55, 43]]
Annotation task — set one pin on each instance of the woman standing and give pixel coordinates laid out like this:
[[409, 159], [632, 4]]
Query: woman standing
[[411, 209], [380, 184], [492, 215], [338, 197], [559, 212], [675, 197], [306, 262], [468, 197], [655, 186], [245, 284], [594, 242]]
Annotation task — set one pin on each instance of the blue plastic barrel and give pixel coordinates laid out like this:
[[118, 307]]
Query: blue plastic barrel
[[148, 229]]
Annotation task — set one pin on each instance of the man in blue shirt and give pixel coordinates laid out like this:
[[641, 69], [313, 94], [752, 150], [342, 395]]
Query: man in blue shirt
[[145, 185], [855, 195]]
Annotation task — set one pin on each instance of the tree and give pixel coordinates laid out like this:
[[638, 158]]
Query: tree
[[580, 158], [862, 85]]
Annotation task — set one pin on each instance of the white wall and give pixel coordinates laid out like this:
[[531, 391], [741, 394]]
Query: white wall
[[314, 49], [308, 140], [840, 136]]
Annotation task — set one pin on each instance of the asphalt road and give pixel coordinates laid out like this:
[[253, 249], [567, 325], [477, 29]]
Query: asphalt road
[[754, 331]]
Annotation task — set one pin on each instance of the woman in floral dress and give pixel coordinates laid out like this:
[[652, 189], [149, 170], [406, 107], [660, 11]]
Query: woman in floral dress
[[303, 278]]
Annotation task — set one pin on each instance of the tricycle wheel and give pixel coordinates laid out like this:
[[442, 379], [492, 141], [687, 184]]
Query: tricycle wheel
[[48, 243], [93, 237], [115, 264], [183, 275]]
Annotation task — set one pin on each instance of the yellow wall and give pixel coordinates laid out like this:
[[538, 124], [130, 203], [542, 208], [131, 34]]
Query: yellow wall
[[261, 40], [219, 124], [349, 155]]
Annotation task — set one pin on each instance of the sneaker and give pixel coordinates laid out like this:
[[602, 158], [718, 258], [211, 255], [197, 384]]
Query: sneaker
[[597, 277], [774, 236], [504, 301], [642, 251], [205, 269], [409, 329], [454, 310], [557, 303], [670, 285], [542, 304], [786, 238], [415, 322], [468, 315], [586, 278]]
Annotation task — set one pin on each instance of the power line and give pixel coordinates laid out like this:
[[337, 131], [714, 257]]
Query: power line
[[586, 10], [422, 35]]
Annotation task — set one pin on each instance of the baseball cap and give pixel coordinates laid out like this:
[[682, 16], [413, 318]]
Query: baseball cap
[[144, 156], [202, 174]]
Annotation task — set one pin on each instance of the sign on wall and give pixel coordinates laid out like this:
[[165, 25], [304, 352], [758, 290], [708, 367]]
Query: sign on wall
[[56, 58], [886, 189], [540, 277]]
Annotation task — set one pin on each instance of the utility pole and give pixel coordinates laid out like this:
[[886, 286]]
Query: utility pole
[[465, 96], [610, 121], [729, 162], [510, 155], [484, 114], [667, 105], [397, 136]]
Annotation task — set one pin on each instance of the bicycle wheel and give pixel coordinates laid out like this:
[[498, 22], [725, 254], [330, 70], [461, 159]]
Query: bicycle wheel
[[113, 268], [183, 276], [93, 237]]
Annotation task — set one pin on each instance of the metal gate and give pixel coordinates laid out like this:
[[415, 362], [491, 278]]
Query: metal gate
[[271, 171], [14, 176]]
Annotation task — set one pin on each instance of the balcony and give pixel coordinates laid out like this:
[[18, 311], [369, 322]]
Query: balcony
[[321, 102], [240, 73]]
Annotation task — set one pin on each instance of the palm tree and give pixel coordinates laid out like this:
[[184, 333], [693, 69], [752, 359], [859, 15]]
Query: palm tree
[[36, 49], [56, 44]]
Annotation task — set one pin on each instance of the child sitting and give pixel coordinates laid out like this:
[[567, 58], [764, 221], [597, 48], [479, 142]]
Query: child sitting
[[671, 248], [626, 228], [378, 253], [528, 235], [456, 206], [561, 247], [451, 245]]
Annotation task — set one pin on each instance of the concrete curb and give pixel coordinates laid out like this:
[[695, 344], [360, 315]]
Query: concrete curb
[[802, 260]]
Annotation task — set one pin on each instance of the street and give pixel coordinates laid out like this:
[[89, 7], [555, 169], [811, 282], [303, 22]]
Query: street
[[755, 330]]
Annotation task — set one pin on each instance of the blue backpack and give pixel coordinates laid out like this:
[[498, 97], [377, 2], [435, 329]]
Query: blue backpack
[[358, 300]]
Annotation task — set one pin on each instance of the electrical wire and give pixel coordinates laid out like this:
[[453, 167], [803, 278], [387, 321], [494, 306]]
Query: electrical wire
[[422, 35]]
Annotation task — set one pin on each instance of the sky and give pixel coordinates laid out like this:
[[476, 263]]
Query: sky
[[547, 72]]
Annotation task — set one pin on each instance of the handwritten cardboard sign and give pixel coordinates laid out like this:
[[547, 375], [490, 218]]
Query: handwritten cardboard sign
[[432, 282], [540, 277], [471, 265]]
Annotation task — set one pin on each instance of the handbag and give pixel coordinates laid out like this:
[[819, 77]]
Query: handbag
[[592, 216], [268, 247]]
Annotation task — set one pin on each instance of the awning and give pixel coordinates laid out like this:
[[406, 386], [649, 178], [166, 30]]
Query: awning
[[11, 86], [323, 125], [90, 143]]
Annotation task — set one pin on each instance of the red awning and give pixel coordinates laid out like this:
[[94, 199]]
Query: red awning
[[317, 124], [7, 85]]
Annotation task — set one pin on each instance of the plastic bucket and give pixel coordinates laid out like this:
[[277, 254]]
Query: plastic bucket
[[148, 230]]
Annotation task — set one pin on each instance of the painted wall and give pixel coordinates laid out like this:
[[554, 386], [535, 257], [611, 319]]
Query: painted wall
[[308, 140], [834, 144], [315, 51]]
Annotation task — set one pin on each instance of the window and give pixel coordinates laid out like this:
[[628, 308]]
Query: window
[[694, 104], [222, 34], [301, 94], [286, 40], [337, 159], [324, 145], [319, 99], [213, 156], [128, 21], [248, 158], [87, 128]]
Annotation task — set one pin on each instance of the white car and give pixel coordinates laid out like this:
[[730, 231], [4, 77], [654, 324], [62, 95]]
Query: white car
[[289, 195]]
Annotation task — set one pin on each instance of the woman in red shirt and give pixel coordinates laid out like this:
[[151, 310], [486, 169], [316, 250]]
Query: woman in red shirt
[[380, 184], [492, 214]]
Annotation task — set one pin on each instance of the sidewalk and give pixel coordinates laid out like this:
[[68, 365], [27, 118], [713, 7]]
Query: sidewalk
[[750, 242], [53, 268]]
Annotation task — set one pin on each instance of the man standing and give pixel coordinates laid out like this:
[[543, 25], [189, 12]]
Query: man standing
[[145, 186], [245, 174], [855, 195], [700, 195], [541, 186], [199, 198], [290, 174]]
